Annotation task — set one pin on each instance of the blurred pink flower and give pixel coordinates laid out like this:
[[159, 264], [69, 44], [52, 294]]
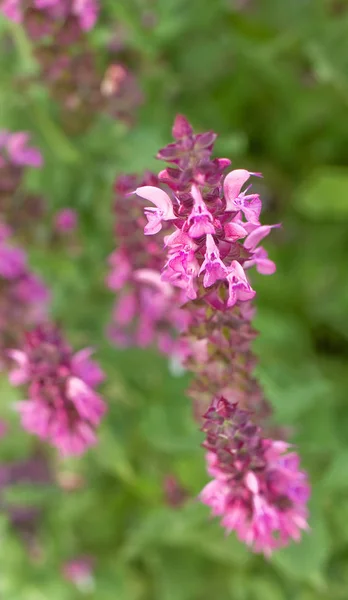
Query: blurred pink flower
[[62, 406], [66, 220]]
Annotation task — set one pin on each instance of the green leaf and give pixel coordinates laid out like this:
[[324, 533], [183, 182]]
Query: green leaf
[[324, 195]]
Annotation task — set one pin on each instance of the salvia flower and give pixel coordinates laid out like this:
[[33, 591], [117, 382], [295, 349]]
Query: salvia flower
[[211, 215], [213, 235], [62, 406], [258, 489]]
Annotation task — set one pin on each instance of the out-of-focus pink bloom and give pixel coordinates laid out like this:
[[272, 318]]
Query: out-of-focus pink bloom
[[66, 220], [62, 406], [80, 572], [258, 488], [120, 270], [87, 12], [12, 10], [13, 262], [86, 369], [15, 150]]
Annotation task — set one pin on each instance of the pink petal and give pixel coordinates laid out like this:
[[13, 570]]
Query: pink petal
[[159, 198], [233, 184], [257, 235], [234, 231]]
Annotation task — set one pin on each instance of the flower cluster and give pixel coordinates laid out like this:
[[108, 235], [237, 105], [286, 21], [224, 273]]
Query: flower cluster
[[18, 208], [47, 17], [23, 296], [257, 489], [146, 310], [62, 406], [211, 217]]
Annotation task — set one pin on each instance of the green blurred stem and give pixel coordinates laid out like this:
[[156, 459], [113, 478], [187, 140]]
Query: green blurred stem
[[54, 136]]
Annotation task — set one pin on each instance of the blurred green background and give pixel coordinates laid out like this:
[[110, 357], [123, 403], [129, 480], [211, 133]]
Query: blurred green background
[[271, 78]]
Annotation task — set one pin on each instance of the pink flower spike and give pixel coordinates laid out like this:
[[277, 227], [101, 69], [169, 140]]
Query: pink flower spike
[[239, 287], [213, 266], [163, 212], [200, 220]]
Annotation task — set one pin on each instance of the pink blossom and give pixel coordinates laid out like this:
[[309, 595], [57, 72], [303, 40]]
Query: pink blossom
[[213, 266], [265, 505], [260, 260], [121, 270], [12, 262], [86, 369], [62, 406], [234, 231], [237, 200], [20, 153], [16, 150], [181, 270], [12, 10], [155, 216], [238, 285], [66, 220], [200, 220], [87, 12]]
